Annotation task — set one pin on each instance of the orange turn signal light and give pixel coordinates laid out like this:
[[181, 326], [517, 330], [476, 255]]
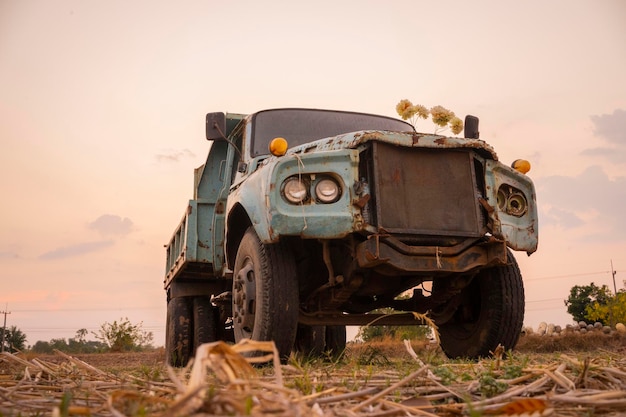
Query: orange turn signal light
[[278, 146], [521, 165]]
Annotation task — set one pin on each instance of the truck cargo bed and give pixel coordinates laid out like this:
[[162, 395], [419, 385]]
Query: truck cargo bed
[[190, 250]]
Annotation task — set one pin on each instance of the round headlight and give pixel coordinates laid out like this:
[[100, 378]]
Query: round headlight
[[294, 190], [327, 190], [516, 205], [502, 199]]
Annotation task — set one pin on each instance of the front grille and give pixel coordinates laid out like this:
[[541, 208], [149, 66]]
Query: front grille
[[424, 192]]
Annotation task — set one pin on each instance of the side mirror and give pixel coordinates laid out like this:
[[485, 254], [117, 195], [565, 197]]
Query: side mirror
[[471, 127], [215, 126]]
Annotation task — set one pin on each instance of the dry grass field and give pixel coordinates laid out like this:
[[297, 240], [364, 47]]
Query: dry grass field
[[572, 375]]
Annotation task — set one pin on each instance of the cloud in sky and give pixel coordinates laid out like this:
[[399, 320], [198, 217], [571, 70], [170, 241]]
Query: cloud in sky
[[566, 219], [112, 225], [611, 127], [173, 155], [592, 194], [76, 250], [9, 255]]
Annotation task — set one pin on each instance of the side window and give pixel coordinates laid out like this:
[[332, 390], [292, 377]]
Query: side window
[[241, 138], [238, 142]]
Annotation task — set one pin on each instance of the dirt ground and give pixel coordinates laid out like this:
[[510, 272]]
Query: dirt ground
[[545, 376], [591, 343]]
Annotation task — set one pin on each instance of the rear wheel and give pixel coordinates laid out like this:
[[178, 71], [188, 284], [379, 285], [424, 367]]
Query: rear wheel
[[178, 332], [335, 340], [490, 312], [310, 340], [265, 293], [204, 322]]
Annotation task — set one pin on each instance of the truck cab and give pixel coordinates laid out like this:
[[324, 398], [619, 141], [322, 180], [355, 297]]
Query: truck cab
[[304, 221]]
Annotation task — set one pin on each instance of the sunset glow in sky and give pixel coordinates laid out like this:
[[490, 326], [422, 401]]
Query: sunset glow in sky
[[102, 107]]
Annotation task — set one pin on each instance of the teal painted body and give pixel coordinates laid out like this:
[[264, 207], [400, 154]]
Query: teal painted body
[[235, 189], [304, 221]]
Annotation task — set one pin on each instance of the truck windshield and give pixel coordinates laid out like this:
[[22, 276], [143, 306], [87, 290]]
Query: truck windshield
[[300, 126]]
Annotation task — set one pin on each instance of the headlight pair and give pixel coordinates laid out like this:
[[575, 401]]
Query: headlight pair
[[512, 201], [299, 188]]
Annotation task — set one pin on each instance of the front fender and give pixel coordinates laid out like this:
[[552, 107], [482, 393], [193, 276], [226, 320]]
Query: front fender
[[520, 232], [272, 217]]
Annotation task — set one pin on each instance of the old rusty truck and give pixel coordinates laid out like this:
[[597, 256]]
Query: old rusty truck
[[305, 221]]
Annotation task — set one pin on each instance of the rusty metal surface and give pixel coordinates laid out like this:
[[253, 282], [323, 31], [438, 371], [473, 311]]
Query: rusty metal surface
[[415, 140], [385, 256], [426, 192]]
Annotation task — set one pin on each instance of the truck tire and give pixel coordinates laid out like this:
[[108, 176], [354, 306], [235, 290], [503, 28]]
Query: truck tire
[[204, 322], [315, 341], [265, 293], [310, 340], [335, 340], [491, 313], [178, 332]]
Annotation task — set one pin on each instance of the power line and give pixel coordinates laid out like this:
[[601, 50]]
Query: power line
[[568, 276], [544, 308], [582, 274], [545, 299], [62, 310]]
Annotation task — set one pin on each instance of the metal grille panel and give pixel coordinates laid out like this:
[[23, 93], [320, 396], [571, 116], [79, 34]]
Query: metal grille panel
[[426, 191]]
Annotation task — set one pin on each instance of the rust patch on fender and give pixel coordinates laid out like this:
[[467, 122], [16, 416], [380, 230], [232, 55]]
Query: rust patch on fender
[[361, 202]]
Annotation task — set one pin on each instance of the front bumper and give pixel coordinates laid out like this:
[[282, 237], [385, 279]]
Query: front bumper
[[389, 256]]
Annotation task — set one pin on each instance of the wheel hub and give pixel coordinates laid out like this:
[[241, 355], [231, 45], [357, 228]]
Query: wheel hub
[[244, 298]]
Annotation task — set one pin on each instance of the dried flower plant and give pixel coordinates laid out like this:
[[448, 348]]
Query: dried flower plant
[[441, 116]]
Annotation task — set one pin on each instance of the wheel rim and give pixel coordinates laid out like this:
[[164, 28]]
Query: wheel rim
[[244, 305]]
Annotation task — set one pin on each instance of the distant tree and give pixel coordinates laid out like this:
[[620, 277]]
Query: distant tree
[[14, 339], [369, 333], [41, 347], [582, 296], [124, 336], [81, 335], [374, 332], [59, 344], [78, 344], [611, 312]]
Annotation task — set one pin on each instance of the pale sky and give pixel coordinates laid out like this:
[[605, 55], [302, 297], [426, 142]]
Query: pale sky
[[102, 107]]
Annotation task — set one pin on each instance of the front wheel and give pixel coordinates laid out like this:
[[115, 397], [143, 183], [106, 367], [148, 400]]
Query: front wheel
[[265, 293], [490, 313]]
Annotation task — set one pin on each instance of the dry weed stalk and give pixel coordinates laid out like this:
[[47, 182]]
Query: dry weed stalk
[[234, 371], [221, 381]]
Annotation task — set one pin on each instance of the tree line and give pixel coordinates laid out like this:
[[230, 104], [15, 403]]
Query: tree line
[[588, 303], [119, 336]]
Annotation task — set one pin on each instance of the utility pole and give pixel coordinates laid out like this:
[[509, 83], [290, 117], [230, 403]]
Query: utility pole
[[5, 312], [613, 272]]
